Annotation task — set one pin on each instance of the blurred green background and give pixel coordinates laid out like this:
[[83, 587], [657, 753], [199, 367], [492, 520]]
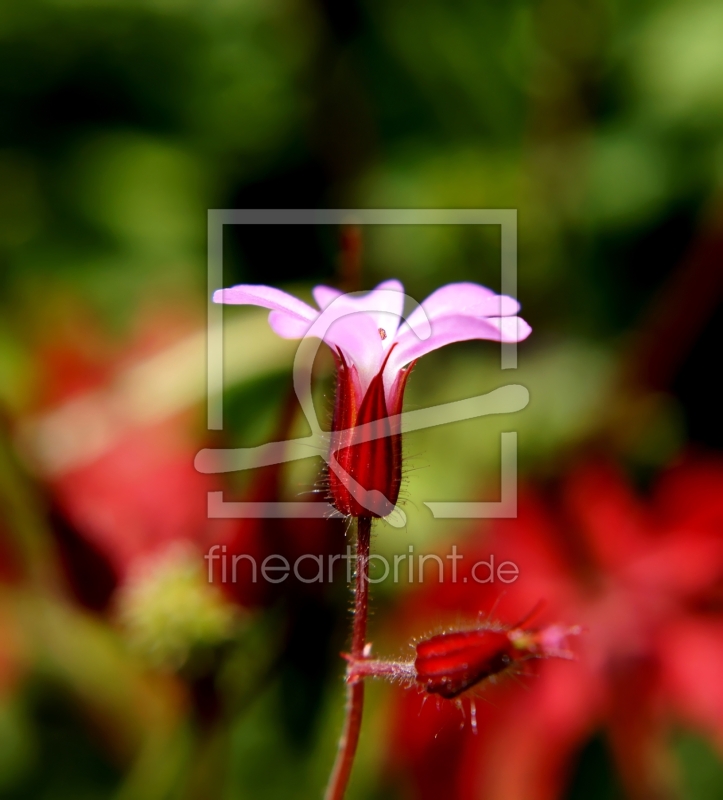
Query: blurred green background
[[121, 124]]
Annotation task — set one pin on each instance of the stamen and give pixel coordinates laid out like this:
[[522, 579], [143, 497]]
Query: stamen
[[382, 333]]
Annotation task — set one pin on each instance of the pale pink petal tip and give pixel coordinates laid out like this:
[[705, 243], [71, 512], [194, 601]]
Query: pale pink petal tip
[[266, 297], [512, 329]]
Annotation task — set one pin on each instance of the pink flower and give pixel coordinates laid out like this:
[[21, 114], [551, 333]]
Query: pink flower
[[374, 352]]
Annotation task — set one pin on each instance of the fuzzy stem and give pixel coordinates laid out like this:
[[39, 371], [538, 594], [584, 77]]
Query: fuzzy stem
[[376, 668], [355, 687]]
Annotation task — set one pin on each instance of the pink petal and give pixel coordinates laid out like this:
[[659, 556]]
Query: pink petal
[[266, 297], [324, 295], [361, 325], [467, 299], [511, 329], [383, 305], [455, 328], [288, 326], [356, 334]]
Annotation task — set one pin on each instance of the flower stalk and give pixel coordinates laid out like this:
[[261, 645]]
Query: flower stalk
[[355, 685]]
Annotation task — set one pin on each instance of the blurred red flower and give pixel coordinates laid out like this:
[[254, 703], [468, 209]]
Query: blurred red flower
[[122, 479], [644, 580]]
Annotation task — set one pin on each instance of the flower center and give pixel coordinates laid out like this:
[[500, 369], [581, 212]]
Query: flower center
[[382, 333]]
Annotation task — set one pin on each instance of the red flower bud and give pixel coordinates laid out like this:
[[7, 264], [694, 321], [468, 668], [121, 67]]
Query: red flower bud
[[371, 458], [450, 663]]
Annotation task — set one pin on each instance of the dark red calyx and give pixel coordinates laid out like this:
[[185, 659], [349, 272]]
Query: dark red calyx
[[450, 663], [373, 459]]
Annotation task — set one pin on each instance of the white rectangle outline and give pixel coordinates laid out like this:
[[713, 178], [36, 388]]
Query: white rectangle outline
[[506, 218]]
